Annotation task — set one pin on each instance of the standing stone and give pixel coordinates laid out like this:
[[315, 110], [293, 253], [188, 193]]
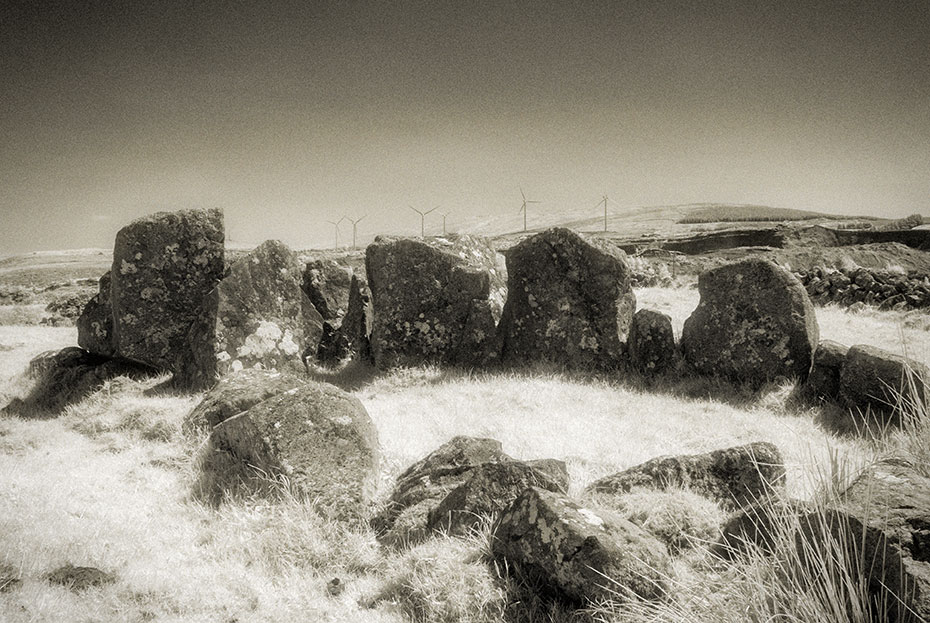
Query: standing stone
[[733, 477], [95, 324], [569, 301], [163, 266], [882, 382], [318, 437], [434, 300], [824, 380], [652, 342], [326, 284], [356, 325], [577, 554], [256, 317], [754, 323]]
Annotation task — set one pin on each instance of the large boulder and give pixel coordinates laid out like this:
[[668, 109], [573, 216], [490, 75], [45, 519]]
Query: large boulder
[[163, 266], [489, 489], [235, 393], [652, 342], [569, 301], [326, 284], [421, 487], [434, 300], [823, 383], [578, 554], [95, 324], [256, 317], [754, 323], [885, 384], [733, 477], [316, 436]]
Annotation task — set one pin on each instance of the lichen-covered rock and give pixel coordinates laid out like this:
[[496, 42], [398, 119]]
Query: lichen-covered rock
[[754, 323], [885, 384], [355, 330], [163, 266], [489, 489], [824, 380], [569, 301], [578, 554], [554, 469], [434, 300], [256, 317], [67, 376], [235, 393], [732, 476], [652, 342], [318, 437], [95, 324], [332, 348], [326, 284], [425, 483]]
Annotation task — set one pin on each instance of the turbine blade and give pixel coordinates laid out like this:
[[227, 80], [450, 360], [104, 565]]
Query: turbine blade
[[521, 193]]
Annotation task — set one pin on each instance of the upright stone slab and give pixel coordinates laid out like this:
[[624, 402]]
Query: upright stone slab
[[885, 384], [318, 437], [824, 380], [95, 324], [652, 342], [754, 323], [326, 284], [163, 266], [434, 300], [256, 317], [569, 301], [355, 329]]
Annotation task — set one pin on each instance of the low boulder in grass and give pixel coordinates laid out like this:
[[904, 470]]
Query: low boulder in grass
[[754, 324], [651, 342], [886, 384], [421, 487], [319, 438], [65, 377], [489, 489], [579, 555], [569, 301], [824, 380], [256, 317], [733, 477], [235, 393], [95, 324], [434, 300], [80, 578]]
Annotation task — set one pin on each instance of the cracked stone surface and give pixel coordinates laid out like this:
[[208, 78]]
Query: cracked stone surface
[[569, 301], [578, 554], [753, 324]]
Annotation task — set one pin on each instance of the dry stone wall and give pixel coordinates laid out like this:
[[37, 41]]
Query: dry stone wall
[[882, 288]]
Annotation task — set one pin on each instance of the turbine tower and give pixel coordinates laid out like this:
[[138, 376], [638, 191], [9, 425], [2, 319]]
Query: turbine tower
[[335, 225], [444, 215], [423, 219], [354, 227], [523, 207], [604, 201]]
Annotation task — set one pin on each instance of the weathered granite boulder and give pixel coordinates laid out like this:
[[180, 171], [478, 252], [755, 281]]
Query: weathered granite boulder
[[163, 266], [95, 324], [434, 300], [569, 301], [577, 554], [421, 487], [883, 383], [554, 469], [824, 380], [733, 477], [318, 437], [235, 393], [652, 342], [326, 284], [67, 376], [489, 489], [256, 317], [754, 323], [355, 329]]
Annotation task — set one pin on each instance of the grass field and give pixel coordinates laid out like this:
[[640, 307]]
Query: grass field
[[109, 484]]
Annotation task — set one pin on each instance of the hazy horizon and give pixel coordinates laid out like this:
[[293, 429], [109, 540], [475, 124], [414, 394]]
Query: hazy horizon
[[290, 114]]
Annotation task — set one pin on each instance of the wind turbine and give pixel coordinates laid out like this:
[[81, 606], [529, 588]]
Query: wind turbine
[[444, 215], [335, 224], [604, 201], [354, 227], [423, 219], [523, 207]]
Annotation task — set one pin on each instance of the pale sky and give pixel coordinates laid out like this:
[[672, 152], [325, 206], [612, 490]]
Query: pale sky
[[289, 114]]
